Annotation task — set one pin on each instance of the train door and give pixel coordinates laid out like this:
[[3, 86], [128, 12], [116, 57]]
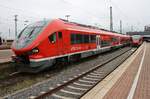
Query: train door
[[60, 42], [98, 41], [53, 44]]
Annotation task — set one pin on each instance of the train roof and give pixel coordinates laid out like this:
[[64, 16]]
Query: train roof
[[64, 24], [55, 25]]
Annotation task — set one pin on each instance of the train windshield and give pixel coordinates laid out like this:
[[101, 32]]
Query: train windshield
[[136, 37], [32, 30], [29, 33]]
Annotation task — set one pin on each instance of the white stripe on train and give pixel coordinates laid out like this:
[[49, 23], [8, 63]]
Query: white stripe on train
[[48, 58]]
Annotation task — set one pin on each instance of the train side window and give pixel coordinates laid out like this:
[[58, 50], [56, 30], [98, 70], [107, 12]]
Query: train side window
[[52, 38], [113, 39], [78, 38], [93, 38], [73, 38], [60, 35], [81, 38], [86, 38], [105, 43]]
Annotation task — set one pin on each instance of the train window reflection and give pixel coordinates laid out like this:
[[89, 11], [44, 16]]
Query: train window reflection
[[32, 29], [82, 38], [29, 33]]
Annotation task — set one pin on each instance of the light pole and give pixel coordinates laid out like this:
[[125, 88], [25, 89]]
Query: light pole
[[9, 32], [111, 19], [16, 25], [120, 26]]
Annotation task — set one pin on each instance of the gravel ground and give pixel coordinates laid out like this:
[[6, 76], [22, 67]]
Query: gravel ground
[[6, 69], [103, 71], [64, 75]]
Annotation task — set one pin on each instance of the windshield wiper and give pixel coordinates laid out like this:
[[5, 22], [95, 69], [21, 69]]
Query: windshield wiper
[[31, 32]]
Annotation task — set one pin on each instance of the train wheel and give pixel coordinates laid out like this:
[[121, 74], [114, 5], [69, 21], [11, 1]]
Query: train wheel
[[74, 58]]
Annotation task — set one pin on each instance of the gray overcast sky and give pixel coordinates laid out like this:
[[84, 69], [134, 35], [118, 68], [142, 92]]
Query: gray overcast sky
[[94, 12]]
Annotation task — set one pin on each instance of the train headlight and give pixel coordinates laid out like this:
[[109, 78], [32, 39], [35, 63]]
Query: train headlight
[[35, 50]]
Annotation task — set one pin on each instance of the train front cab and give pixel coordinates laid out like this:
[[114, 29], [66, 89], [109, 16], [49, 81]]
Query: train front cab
[[27, 46], [49, 50], [137, 40]]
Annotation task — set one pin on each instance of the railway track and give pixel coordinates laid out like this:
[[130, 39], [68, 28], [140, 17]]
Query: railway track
[[76, 87], [56, 77]]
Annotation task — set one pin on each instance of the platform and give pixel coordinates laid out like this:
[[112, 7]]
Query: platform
[[131, 80], [5, 55]]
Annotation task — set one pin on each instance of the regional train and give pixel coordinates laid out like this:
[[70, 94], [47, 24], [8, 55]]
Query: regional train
[[40, 45], [137, 40]]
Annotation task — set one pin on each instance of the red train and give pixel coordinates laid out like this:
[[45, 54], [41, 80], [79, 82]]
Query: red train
[[137, 40], [42, 44]]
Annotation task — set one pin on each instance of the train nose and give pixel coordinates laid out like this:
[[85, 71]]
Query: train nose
[[135, 41], [21, 59]]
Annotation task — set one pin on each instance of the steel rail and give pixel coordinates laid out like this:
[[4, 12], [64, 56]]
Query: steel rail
[[61, 86]]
